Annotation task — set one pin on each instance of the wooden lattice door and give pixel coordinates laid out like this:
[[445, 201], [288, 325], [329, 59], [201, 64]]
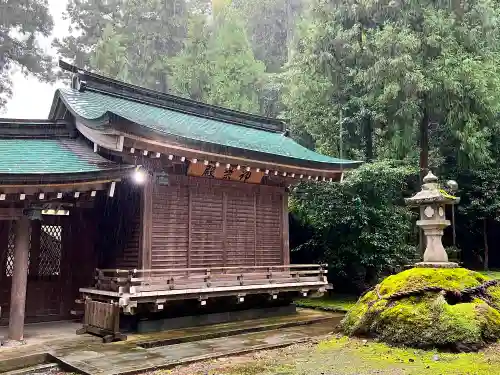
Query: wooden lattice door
[[45, 299]]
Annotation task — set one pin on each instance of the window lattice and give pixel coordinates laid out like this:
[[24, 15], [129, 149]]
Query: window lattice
[[50, 250], [9, 262]]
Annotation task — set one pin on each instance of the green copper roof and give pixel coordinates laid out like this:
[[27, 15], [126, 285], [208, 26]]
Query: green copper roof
[[95, 107], [49, 156]]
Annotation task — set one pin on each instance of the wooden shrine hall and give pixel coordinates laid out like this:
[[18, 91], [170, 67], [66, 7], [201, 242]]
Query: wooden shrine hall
[[138, 203]]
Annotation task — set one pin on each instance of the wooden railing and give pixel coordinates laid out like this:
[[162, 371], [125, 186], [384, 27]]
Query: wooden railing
[[137, 281]]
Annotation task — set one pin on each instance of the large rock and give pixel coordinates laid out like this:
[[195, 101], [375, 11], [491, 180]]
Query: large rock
[[430, 319]]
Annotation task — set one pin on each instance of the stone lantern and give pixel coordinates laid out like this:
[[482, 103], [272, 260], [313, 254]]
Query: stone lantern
[[432, 201]]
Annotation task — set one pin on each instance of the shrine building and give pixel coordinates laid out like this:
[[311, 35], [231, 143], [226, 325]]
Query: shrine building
[[136, 203]]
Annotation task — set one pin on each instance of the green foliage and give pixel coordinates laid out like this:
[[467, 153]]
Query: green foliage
[[143, 35], [478, 213], [217, 65], [270, 25], [385, 70], [480, 193], [190, 69], [360, 227], [428, 320], [21, 23], [110, 57]]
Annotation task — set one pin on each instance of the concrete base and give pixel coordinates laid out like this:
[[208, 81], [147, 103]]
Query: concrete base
[[156, 325], [436, 265], [87, 354], [11, 343]]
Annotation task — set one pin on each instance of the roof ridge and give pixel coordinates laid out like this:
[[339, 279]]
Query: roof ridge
[[22, 121], [35, 129], [85, 80]]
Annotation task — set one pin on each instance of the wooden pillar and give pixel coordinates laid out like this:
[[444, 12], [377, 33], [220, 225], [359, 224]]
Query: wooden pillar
[[190, 227], [224, 229], [255, 255], [36, 229], [285, 230], [19, 279], [147, 222]]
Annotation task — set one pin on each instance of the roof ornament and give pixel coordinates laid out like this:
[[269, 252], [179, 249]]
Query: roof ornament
[[286, 133], [77, 83]]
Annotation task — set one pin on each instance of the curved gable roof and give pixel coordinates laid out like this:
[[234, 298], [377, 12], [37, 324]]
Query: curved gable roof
[[98, 108]]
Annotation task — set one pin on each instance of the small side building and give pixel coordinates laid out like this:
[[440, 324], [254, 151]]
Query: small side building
[[137, 201]]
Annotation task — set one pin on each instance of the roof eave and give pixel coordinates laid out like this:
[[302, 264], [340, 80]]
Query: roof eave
[[147, 134], [75, 177]]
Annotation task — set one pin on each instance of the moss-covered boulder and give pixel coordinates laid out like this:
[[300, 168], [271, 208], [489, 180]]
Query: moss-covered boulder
[[428, 319]]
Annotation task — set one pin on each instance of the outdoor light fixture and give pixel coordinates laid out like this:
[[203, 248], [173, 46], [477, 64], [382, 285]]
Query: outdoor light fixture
[[139, 175], [53, 212], [452, 185]]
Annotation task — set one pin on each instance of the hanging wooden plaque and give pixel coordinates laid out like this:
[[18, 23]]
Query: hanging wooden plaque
[[223, 173]]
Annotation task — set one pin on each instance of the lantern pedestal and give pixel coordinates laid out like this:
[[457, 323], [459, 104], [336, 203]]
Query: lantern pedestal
[[435, 255], [436, 265]]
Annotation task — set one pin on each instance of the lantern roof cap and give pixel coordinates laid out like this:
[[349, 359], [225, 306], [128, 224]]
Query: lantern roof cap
[[431, 193]]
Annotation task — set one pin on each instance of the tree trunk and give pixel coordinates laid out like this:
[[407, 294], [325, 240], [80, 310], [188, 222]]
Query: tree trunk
[[424, 143], [486, 248], [368, 127], [424, 155]]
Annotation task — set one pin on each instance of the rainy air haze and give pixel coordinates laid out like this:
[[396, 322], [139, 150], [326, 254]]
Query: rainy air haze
[[308, 123]]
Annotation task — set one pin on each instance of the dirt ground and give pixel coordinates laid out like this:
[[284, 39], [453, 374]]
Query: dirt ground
[[339, 355]]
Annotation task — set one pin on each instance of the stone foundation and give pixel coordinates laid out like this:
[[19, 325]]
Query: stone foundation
[[156, 325], [436, 265]]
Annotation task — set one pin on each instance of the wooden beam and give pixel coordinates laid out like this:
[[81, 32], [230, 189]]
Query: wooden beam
[[146, 222], [108, 141], [48, 188], [10, 213], [112, 187], [19, 280], [285, 230], [189, 153]]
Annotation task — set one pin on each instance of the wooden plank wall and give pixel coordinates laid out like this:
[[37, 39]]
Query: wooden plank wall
[[200, 222], [206, 227], [170, 232], [129, 257], [270, 228]]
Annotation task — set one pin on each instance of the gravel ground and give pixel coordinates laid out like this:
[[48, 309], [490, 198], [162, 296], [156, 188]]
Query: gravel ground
[[338, 355], [49, 371]]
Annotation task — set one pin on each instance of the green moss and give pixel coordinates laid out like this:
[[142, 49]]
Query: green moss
[[380, 357], [427, 320], [339, 303], [492, 274], [414, 278]]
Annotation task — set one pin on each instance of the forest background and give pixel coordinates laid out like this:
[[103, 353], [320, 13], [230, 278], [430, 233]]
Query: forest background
[[405, 86]]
